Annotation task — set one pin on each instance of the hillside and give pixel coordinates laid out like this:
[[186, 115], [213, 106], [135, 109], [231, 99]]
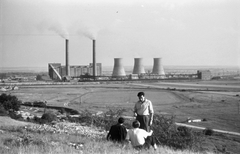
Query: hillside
[[7, 121]]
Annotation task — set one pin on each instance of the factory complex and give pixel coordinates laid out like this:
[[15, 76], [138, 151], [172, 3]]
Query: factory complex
[[93, 71]]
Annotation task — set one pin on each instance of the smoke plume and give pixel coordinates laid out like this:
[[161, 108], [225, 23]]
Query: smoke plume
[[88, 30], [59, 29]]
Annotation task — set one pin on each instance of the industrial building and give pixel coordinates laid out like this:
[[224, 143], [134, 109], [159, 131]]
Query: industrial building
[[57, 72], [204, 74], [138, 69]]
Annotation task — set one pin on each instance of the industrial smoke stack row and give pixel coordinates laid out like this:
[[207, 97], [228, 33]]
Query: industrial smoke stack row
[[67, 58], [118, 69]]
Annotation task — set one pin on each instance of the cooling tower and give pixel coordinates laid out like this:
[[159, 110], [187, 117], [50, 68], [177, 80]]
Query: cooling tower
[[157, 66], [67, 62], [138, 66], [118, 70], [94, 59]]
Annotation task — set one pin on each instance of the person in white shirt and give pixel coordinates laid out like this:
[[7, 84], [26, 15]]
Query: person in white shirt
[[143, 110], [138, 137]]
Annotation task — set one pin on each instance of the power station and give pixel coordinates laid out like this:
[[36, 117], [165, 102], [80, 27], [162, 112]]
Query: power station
[[94, 71], [58, 72]]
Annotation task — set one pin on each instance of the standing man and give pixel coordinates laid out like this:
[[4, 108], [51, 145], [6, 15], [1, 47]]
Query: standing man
[[143, 110], [118, 132]]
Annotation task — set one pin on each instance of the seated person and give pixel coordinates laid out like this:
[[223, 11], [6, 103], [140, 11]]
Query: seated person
[[140, 138], [118, 132]]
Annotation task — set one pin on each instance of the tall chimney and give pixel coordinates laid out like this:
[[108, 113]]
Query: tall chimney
[[138, 66], [94, 59], [67, 58], [118, 70], [157, 66]]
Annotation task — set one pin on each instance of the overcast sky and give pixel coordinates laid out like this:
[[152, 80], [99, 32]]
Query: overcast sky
[[181, 32]]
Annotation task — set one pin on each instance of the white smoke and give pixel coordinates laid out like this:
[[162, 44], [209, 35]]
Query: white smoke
[[55, 26], [59, 29], [88, 30]]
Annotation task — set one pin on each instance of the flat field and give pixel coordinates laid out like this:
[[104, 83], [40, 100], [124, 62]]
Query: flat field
[[216, 101]]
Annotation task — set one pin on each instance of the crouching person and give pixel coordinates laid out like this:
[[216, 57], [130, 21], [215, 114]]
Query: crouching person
[[140, 138], [118, 132]]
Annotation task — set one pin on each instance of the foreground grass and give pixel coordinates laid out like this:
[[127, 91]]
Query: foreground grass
[[16, 140]]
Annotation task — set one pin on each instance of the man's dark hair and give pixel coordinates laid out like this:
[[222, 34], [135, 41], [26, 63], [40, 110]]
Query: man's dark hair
[[140, 94], [136, 124], [121, 120]]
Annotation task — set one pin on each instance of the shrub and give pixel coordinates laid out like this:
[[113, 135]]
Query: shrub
[[168, 134], [28, 103], [39, 77], [208, 131], [36, 119], [10, 102], [48, 117], [39, 104], [13, 115]]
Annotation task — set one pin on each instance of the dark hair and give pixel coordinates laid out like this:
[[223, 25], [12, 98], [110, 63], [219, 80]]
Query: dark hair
[[140, 94], [136, 124], [121, 120]]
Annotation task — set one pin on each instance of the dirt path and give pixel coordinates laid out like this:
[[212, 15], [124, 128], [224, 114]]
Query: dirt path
[[202, 128]]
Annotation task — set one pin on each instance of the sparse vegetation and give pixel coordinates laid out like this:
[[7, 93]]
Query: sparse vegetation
[[104, 120], [168, 134], [44, 140]]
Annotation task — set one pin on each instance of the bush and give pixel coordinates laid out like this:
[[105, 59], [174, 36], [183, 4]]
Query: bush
[[168, 134], [10, 102], [28, 103], [48, 117], [208, 131], [13, 115], [39, 104], [36, 120]]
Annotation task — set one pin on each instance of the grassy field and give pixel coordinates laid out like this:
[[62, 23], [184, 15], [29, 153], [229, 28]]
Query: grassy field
[[49, 143], [217, 101]]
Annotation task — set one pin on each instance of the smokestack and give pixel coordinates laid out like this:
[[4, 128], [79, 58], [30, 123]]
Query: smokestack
[[118, 70], [67, 62], [94, 59], [157, 67], [138, 66]]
